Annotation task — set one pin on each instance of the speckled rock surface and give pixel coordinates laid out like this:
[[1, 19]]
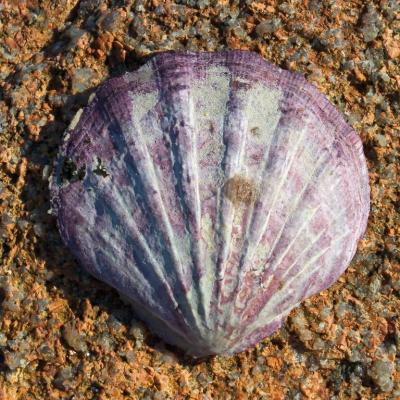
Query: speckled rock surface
[[64, 334]]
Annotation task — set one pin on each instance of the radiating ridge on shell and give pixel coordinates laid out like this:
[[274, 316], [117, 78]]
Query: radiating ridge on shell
[[215, 191]]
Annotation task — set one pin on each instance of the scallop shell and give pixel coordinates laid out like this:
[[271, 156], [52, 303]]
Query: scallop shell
[[215, 191]]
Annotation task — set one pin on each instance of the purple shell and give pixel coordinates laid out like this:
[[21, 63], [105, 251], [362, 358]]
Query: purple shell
[[215, 191]]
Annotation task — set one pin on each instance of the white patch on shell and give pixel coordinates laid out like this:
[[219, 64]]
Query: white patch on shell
[[262, 109], [74, 121], [209, 95], [143, 74], [143, 103], [91, 97]]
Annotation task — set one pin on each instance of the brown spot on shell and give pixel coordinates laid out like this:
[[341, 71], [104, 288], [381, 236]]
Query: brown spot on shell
[[255, 131], [240, 190]]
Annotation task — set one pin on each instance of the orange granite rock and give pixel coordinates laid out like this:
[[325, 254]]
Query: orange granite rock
[[342, 344]]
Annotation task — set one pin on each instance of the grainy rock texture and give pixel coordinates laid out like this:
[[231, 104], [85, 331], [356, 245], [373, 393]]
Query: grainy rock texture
[[65, 335]]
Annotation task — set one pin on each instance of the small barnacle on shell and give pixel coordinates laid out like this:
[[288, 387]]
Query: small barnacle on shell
[[255, 131], [100, 169], [215, 191], [240, 190], [70, 172]]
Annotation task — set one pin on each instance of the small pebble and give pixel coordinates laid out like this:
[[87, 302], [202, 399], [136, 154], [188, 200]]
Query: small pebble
[[381, 139], [14, 360], [381, 373], [370, 23], [39, 229], [64, 379], [110, 21], [3, 339], [106, 342], [268, 26], [81, 80], [137, 330], [46, 172], [130, 356], [73, 338]]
